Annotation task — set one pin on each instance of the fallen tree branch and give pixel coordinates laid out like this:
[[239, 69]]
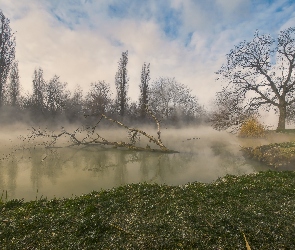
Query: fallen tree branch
[[134, 131], [92, 138]]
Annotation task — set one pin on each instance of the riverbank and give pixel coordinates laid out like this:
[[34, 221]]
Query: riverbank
[[277, 153], [149, 216]]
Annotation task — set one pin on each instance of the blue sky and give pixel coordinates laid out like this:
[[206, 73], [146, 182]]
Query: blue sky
[[82, 40]]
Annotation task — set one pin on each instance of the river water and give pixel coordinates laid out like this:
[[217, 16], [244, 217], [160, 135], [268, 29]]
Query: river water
[[204, 155]]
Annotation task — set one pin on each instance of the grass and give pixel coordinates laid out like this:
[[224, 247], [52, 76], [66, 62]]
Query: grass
[[277, 155], [256, 209], [286, 131]]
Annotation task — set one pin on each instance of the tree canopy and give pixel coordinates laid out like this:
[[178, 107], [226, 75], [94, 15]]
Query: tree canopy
[[172, 100]]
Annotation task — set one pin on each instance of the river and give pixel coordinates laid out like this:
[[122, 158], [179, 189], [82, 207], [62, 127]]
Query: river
[[204, 155]]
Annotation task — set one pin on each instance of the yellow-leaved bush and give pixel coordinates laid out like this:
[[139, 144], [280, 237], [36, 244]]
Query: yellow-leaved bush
[[252, 128]]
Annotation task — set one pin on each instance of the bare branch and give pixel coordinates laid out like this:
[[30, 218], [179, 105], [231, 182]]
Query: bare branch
[[92, 138]]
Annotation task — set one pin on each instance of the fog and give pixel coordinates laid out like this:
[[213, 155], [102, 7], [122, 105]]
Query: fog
[[30, 171]]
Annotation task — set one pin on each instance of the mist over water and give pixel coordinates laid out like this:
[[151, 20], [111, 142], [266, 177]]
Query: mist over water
[[204, 155]]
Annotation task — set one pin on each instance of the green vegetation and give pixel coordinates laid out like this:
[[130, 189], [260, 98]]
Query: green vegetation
[[286, 131], [218, 215], [277, 155]]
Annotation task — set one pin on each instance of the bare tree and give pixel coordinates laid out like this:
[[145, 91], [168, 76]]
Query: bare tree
[[98, 100], [74, 106], [264, 68], [121, 81], [7, 52], [56, 96], [228, 111], [14, 86], [39, 89], [172, 100], [35, 103], [144, 89]]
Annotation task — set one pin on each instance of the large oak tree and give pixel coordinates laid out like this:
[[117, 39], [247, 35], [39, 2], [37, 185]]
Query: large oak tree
[[263, 71]]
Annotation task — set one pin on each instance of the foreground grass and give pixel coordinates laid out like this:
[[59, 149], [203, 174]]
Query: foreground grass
[[150, 216]]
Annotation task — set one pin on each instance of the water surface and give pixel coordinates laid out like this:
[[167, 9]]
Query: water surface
[[204, 155]]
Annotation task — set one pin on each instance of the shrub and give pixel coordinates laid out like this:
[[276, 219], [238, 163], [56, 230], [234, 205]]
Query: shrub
[[252, 128]]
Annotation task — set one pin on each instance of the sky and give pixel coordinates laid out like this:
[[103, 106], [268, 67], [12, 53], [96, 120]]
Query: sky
[[82, 40]]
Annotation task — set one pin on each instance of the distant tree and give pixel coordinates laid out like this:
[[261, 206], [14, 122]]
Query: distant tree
[[264, 68], [39, 89], [98, 99], [56, 96], [34, 104], [173, 101], [13, 89], [228, 110], [144, 89], [133, 111], [74, 106], [121, 81], [7, 52], [12, 102]]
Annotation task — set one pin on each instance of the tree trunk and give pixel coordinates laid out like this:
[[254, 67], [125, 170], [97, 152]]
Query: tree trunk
[[282, 117], [1, 92]]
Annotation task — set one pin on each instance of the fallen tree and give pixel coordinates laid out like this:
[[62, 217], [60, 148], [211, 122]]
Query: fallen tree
[[89, 136]]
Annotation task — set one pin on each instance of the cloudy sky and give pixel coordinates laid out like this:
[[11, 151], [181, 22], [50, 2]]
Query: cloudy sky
[[82, 40]]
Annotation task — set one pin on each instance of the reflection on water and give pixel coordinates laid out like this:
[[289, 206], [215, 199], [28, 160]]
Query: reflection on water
[[63, 172]]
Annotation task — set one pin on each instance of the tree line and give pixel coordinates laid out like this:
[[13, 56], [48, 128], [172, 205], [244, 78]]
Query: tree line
[[257, 74], [51, 101]]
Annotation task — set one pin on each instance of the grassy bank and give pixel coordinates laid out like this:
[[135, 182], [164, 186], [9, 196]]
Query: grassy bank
[[150, 216], [277, 155]]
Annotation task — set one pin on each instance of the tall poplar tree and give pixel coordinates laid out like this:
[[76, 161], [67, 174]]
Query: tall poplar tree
[[39, 89], [144, 88], [121, 81], [14, 85], [7, 52]]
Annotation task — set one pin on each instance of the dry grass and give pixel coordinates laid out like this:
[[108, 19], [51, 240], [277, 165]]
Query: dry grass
[[247, 244], [252, 128]]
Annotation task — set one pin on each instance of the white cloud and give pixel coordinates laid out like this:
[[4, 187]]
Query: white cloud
[[233, 10], [82, 42]]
